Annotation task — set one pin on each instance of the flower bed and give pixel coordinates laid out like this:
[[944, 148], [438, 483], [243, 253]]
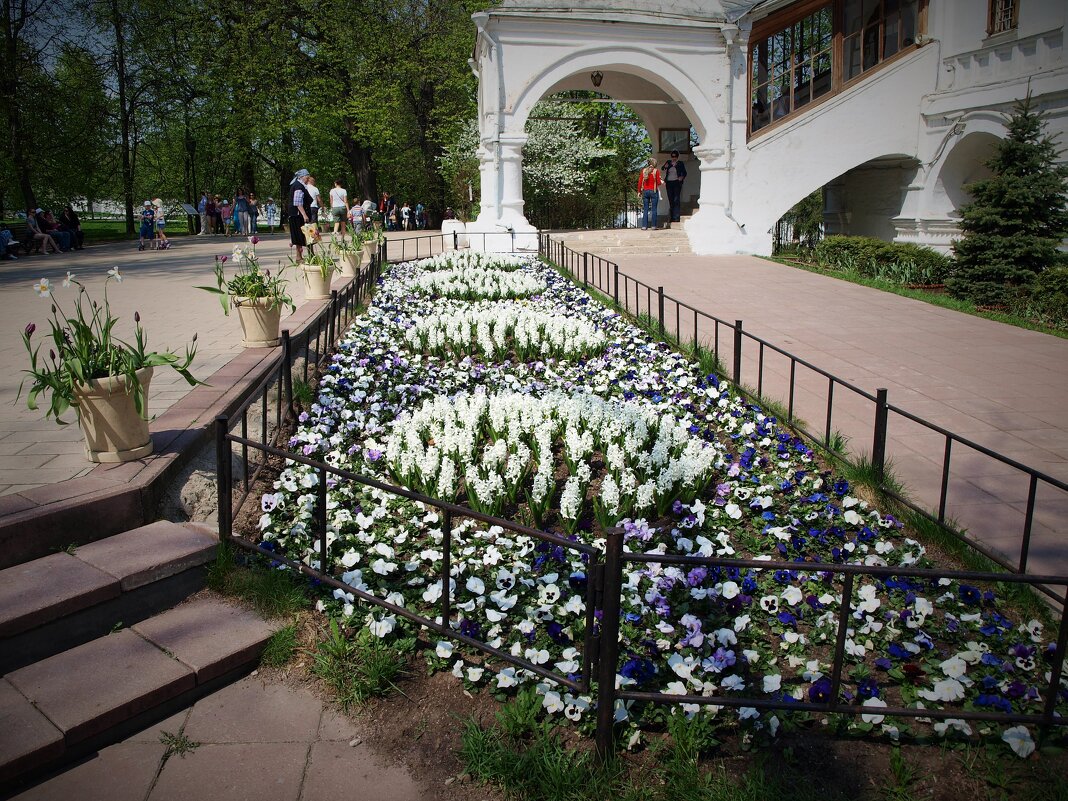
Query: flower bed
[[630, 434]]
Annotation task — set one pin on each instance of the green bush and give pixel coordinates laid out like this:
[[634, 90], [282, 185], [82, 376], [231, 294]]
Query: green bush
[[1045, 299], [901, 263]]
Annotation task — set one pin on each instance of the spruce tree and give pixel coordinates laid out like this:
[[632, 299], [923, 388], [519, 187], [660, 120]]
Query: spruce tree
[[1017, 217]]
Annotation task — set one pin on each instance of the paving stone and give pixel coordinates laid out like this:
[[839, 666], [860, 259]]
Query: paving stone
[[338, 770], [253, 712], [27, 738], [171, 725], [336, 726], [36, 592], [122, 772], [149, 553], [210, 636], [88, 689], [235, 772]]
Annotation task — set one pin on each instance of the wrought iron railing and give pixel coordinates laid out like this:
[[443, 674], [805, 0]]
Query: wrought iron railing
[[728, 341], [605, 568]]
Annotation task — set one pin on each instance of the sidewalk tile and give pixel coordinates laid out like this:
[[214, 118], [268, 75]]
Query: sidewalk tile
[[122, 772], [237, 772], [337, 770], [253, 712]]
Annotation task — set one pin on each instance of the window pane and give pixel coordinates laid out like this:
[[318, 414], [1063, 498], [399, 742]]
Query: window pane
[[822, 81], [871, 46], [910, 12], [851, 57], [758, 112], [780, 106], [852, 16], [890, 37]]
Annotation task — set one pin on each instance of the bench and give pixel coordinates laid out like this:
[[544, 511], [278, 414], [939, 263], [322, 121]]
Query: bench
[[21, 232]]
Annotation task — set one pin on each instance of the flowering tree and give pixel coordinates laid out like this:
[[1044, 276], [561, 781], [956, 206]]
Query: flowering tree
[[559, 158]]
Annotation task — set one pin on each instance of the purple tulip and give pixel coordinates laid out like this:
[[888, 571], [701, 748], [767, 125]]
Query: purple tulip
[[254, 240], [137, 316], [30, 328]]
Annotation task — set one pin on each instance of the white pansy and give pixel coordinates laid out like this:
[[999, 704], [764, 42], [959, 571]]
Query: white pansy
[[1019, 740]]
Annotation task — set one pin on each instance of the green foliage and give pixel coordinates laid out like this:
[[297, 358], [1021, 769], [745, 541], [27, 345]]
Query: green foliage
[[1045, 299], [85, 348], [177, 744], [362, 666], [897, 262], [272, 592], [1017, 219], [806, 219], [251, 282], [281, 647]]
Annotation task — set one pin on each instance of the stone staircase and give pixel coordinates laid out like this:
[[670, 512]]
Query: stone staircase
[[629, 241], [96, 643]]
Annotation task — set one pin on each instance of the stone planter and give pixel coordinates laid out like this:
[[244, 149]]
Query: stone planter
[[113, 430], [349, 263], [369, 249], [315, 286], [259, 323]]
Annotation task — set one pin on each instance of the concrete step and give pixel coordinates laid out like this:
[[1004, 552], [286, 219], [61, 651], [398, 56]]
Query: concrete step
[[75, 702], [66, 599]]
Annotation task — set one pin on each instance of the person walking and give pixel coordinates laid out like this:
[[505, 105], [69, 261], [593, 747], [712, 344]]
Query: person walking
[[253, 213], [339, 206], [226, 212], [649, 183], [241, 220], [161, 224], [299, 212], [420, 216], [674, 174], [270, 212], [202, 209], [313, 191], [148, 225]]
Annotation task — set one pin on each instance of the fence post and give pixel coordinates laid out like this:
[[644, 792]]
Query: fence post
[[224, 477], [321, 515], [738, 353], [608, 657], [615, 284], [878, 447], [660, 308], [382, 253], [332, 326], [585, 268], [287, 369], [455, 240]]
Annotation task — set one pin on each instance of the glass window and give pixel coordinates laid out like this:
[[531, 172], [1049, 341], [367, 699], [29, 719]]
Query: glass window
[[793, 64], [1003, 16]]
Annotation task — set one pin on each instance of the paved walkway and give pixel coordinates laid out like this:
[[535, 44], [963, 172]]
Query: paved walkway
[[1000, 386], [256, 740]]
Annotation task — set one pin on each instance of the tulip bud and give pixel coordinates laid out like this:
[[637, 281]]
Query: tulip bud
[[224, 259], [137, 316], [30, 328], [195, 337], [52, 354]]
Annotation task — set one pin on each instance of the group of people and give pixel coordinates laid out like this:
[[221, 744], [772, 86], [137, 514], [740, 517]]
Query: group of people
[[239, 218], [45, 233], [650, 181], [153, 230], [404, 217]]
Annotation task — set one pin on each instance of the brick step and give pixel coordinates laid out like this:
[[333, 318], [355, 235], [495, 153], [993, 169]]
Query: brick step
[[66, 599], [78, 701]]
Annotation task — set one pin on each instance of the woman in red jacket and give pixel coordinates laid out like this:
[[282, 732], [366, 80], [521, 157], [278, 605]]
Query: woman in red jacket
[[649, 183]]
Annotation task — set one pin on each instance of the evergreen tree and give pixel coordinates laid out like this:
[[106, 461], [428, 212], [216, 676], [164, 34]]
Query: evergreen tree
[[1018, 216]]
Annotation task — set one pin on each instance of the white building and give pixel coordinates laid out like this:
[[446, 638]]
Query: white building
[[891, 105]]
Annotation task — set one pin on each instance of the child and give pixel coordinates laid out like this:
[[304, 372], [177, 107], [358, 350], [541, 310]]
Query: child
[[161, 223], [225, 209], [148, 224]]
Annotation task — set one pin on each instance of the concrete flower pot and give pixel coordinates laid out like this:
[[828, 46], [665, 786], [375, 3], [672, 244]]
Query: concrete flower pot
[[258, 322], [350, 263], [114, 432], [315, 286]]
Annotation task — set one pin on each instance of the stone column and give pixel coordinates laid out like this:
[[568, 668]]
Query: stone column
[[511, 176], [711, 229]]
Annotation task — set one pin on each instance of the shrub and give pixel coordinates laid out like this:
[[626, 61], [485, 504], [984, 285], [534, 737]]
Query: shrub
[[902, 263], [1045, 299]]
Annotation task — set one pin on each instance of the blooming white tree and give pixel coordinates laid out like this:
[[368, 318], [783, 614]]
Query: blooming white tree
[[557, 157]]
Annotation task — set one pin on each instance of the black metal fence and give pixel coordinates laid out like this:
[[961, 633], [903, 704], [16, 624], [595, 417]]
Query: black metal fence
[[585, 213], [688, 325], [603, 592]]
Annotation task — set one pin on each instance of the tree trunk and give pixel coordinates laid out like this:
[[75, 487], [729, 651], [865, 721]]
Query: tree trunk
[[10, 74], [124, 114], [358, 157]]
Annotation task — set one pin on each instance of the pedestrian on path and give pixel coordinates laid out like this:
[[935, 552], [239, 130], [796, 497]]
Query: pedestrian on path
[[674, 174], [300, 201], [649, 183]]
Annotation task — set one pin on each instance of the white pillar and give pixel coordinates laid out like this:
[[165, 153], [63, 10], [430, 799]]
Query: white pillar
[[712, 230], [501, 226]]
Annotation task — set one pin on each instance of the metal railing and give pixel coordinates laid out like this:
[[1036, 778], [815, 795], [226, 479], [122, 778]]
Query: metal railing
[[723, 338], [604, 570]]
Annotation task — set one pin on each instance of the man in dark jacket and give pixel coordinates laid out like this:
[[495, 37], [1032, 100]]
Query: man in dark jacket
[[674, 175]]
